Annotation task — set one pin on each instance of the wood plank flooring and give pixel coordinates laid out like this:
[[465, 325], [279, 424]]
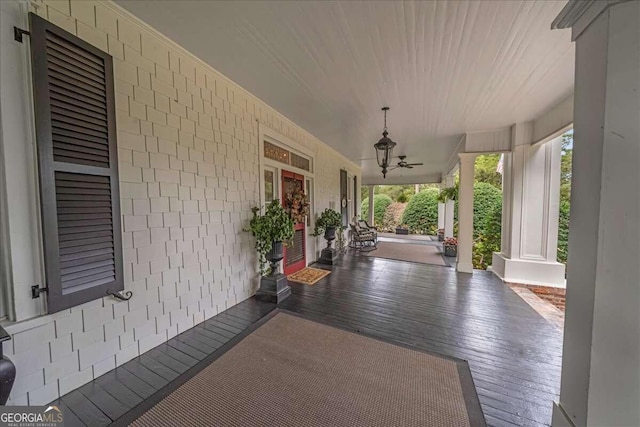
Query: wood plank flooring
[[514, 354]]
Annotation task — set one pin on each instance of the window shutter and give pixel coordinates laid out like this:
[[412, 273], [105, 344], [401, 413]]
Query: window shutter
[[355, 196], [78, 166], [344, 209]]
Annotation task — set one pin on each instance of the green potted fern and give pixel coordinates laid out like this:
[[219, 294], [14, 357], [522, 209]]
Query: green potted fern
[[449, 193], [272, 230], [328, 222]]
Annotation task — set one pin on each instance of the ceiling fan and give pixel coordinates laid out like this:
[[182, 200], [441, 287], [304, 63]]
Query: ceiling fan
[[403, 164]]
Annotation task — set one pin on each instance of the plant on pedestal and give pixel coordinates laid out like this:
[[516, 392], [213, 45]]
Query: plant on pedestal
[[328, 222], [271, 230]]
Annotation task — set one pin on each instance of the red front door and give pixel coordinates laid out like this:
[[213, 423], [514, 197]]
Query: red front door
[[294, 255]]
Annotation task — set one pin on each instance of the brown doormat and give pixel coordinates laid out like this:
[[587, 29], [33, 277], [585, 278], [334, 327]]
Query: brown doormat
[[288, 371], [424, 254], [308, 275]]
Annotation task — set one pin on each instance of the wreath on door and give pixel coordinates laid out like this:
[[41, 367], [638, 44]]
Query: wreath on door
[[297, 204]]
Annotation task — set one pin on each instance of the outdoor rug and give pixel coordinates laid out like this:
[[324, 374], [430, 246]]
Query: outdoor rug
[[289, 371], [424, 254], [308, 275]]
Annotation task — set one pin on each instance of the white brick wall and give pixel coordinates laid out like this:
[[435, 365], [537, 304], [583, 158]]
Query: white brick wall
[[188, 164]]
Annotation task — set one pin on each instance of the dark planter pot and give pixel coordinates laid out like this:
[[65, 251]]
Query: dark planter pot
[[450, 250], [402, 231], [275, 255], [7, 370], [330, 235], [275, 287], [329, 255]]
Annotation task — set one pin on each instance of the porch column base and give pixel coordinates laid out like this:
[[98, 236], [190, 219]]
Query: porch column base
[[464, 267], [560, 418], [528, 272], [274, 288]]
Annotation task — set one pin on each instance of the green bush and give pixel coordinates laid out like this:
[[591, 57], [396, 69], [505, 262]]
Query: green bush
[[485, 196], [403, 198], [421, 213], [488, 240], [380, 204], [485, 199], [563, 231]]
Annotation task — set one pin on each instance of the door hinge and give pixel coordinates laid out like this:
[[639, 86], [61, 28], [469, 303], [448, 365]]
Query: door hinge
[[18, 33], [36, 290]]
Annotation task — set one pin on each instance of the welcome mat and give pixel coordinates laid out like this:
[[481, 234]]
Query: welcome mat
[[289, 371], [308, 275]]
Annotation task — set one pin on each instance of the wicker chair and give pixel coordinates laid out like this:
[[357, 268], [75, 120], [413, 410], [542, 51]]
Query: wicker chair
[[365, 225], [362, 236]]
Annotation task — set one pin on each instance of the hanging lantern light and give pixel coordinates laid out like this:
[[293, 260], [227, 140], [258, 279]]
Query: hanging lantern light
[[384, 147]]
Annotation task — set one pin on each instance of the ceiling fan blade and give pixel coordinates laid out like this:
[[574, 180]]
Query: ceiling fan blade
[[409, 167], [416, 164]]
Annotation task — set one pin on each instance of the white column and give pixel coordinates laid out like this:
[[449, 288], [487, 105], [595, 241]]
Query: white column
[[530, 211], [449, 208], [441, 213], [465, 213], [601, 353], [371, 206]]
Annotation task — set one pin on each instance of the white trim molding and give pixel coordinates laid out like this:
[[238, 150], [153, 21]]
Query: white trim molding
[[579, 14]]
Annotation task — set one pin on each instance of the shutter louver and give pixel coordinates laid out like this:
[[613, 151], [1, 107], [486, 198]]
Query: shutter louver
[[77, 154], [85, 230], [78, 104]]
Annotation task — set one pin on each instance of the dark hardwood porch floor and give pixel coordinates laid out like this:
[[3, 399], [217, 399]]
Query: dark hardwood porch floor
[[514, 354]]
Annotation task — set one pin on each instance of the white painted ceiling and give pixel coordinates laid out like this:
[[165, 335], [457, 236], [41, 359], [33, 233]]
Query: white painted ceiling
[[444, 67]]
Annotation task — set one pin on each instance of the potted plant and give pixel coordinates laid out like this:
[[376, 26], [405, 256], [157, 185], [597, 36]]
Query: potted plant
[[451, 247], [403, 229], [440, 234], [328, 222], [449, 193], [7, 370], [272, 230]]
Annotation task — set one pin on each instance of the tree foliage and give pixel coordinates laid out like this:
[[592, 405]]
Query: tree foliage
[[396, 192], [486, 170], [563, 231], [380, 203], [565, 196], [421, 213], [565, 166]]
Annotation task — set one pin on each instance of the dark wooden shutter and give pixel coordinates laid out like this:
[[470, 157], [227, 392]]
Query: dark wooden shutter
[[355, 196], [77, 158], [344, 208]]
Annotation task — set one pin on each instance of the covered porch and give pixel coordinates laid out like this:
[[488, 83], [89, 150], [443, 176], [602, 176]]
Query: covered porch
[[139, 138], [514, 354]]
